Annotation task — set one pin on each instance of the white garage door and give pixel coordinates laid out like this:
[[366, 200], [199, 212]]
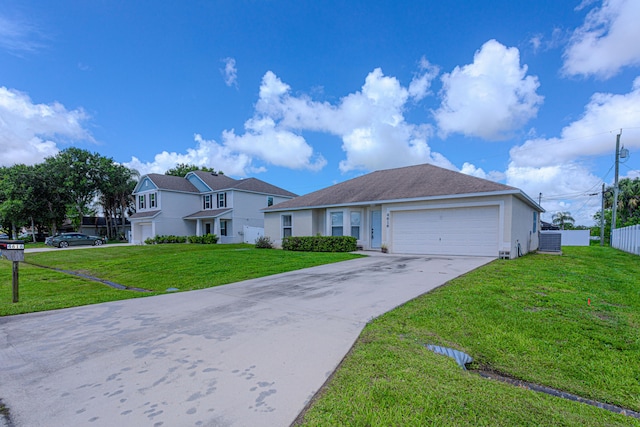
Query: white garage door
[[460, 231], [145, 231]]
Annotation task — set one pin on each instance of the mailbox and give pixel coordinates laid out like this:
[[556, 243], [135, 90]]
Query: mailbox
[[13, 250]]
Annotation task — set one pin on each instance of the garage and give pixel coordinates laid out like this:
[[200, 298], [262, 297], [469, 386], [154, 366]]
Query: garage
[[453, 231], [146, 231]]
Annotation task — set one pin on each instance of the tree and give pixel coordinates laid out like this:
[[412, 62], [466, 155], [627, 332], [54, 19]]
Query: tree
[[51, 196], [78, 172], [563, 219], [30, 197], [17, 207], [628, 208], [183, 168], [115, 187]]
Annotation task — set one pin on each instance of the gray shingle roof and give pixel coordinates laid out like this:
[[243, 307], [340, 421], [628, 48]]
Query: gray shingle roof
[[211, 213], [409, 182], [170, 182], [223, 182], [216, 182], [147, 214]]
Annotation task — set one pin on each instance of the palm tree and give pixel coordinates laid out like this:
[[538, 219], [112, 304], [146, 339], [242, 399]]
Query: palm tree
[[563, 218]]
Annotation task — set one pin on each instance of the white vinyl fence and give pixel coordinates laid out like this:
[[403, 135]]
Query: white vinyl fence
[[627, 239]]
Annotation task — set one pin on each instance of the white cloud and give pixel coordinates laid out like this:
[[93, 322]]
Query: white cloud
[[490, 98], [18, 36], [230, 72], [421, 83], [279, 147], [541, 43], [369, 122], [30, 132], [470, 169], [606, 42], [585, 136], [564, 187], [207, 153], [559, 167]]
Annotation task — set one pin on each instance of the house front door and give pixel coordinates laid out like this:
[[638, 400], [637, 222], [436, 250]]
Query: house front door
[[376, 229], [207, 228]]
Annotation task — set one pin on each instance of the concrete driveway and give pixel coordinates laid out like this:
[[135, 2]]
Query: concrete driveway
[[251, 353]]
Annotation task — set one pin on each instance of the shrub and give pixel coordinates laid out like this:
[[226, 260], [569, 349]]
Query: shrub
[[165, 239], [320, 243], [208, 239], [264, 242]]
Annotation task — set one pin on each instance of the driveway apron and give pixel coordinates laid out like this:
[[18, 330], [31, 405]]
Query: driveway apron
[[251, 353]]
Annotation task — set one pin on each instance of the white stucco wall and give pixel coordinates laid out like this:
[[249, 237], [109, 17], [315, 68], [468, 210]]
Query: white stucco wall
[[302, 224], [522, 230]]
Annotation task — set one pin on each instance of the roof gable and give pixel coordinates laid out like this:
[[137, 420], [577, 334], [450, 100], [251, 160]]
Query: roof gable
[[217, 182], [167, 182], [197, 182], [411, 182], [145, 184]]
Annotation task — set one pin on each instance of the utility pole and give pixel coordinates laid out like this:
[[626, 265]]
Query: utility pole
[[602, 218], [614, 208]]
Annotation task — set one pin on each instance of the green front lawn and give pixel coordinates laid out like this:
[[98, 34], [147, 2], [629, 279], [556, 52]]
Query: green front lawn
[[155, 268], [528, 318]]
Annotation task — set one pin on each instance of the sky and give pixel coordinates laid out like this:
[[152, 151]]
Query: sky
[[306, 94]]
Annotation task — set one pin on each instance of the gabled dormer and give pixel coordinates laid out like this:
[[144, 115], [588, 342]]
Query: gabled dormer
[[146, 195], [216, 189]]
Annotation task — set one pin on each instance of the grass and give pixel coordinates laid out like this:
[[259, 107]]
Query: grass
[[527, 318], [155, 268]]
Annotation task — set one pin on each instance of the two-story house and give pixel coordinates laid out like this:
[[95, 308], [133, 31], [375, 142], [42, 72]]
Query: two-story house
[[201, 203]]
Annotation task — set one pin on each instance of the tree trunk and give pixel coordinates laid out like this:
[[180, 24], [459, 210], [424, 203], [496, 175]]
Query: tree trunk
[[33, 231]]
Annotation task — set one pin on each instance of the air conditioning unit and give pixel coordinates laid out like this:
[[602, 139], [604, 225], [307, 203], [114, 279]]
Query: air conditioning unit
[[550, 242]]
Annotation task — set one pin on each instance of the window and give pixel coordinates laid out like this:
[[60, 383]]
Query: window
[[286, 226], [269, 201], [535, 221], [152, 200], [206, 201], [355, 225], [141, 204], [336, 223], [223, 227], [222, 200]]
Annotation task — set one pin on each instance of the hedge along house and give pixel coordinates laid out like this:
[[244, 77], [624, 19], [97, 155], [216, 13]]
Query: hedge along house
[[201, 203], [421, 209]]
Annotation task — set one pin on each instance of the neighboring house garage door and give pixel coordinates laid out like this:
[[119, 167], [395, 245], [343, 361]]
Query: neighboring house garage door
[[145, 231], [459, 231]]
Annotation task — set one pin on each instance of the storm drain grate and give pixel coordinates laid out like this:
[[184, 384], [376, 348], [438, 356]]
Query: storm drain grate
[[461, 358]]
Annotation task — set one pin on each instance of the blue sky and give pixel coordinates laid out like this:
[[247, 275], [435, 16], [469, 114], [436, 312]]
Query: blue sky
[[307, 94]]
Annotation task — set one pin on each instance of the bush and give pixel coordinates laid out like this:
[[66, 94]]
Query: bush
[[207, 239], [320, 243], [264, 242], [165, 239]]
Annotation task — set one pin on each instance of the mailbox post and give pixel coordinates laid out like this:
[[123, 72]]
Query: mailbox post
[[13, 250]]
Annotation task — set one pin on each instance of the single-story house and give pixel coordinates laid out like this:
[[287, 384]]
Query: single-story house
[[97, 225], [544, 226], [202, 203], [421, 209]]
